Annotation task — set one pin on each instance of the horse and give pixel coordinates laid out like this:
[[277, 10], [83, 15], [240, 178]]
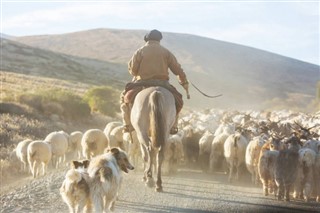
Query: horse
[[152, 116]]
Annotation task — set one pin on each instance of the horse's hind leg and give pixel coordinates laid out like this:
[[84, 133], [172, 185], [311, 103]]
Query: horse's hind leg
[[148, 171], [159, 164]]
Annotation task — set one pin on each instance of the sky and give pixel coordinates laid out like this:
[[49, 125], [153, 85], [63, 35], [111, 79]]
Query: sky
[[288, 28]]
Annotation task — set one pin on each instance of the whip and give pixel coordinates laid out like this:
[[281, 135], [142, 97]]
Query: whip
[[208, 96]]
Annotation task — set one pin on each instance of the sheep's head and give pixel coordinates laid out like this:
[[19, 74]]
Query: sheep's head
[[294, 142]]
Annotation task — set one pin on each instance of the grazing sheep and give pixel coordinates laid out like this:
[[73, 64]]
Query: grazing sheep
[[22, 153], [93, 143], [75, 143], [252, 156], [286, 167], [39, 152], [205, 150], [304, 181], [59, 142], [234, 152], [266, 164]]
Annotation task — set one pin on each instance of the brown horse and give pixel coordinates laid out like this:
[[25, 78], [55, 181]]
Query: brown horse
[[152, 116]]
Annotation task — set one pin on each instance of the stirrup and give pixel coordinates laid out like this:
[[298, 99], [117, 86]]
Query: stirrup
[[127, 128], [174, 130]]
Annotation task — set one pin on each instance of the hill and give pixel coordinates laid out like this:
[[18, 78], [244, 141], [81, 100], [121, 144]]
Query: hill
[[248, 78], [24, 59]]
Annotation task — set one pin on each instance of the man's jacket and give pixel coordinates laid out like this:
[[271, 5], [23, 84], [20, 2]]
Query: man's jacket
[[152, 61]]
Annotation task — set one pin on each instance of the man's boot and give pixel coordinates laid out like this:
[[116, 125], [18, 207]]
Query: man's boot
[[125, 111], [174, 128]]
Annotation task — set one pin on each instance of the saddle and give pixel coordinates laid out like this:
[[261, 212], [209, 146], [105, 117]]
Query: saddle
[[133, 88]]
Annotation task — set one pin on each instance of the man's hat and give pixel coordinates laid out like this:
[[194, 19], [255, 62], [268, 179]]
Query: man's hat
[[155, 35]]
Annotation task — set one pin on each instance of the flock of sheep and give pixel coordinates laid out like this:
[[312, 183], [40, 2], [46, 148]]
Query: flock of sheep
[[280, 149]]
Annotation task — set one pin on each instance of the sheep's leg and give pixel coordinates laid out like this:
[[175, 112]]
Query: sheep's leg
[[275, 188], [53, 161], [237, 173], [307, 191], [43, 168], [280, 191], [64, 159], [256, 173], [287, 191], [265, 186], [33, 168], [37, 169], [253, 177], [230, 172], [22, 167]]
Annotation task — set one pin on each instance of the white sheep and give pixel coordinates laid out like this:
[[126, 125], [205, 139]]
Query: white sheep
[[75, 143], [205, 149], [217, 148], [173, 154], [93, 143], [39, 152], [234, 152], [109, 127], [224, 127], [304, 182], [22, 154], [59, 142], [116, 138], [252, 156]]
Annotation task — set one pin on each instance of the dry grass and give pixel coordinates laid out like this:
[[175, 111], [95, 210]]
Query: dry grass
[[19, 122], [13, 83]]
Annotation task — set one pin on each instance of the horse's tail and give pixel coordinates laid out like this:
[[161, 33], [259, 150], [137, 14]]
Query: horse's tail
[[157, 122]]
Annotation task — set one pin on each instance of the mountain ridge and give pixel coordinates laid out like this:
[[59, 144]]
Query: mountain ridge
[[247, 77]]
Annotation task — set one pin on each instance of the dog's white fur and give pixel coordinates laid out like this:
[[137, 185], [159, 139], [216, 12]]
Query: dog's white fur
[[105, 173], [75, 190]]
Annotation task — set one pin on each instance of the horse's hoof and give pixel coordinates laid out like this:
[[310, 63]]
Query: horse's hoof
[[144, 179], [150, 183], [159, 189]]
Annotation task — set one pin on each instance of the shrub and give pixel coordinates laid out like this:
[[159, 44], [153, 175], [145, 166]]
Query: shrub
[[31, 99], [103, 99], [57, 101]]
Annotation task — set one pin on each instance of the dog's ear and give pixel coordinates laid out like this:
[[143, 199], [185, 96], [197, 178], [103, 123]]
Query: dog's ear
[[114, 151], [75, 164], [86, 163], [106, 150]]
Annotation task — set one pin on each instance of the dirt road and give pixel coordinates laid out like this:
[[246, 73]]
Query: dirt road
[[187, 191]]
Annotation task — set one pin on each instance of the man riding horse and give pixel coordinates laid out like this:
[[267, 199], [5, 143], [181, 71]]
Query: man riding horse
[[149, 67]]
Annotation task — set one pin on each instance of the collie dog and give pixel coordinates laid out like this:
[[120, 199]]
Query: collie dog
[[75, 190], [105, 173]]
